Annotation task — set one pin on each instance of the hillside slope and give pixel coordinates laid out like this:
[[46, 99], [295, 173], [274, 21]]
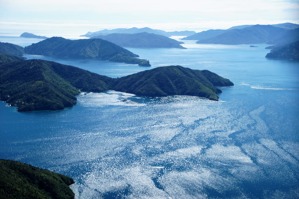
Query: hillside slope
[[19, 180], [11, 49], [43, 85], [84, 49], [172, 80], [285, 52]]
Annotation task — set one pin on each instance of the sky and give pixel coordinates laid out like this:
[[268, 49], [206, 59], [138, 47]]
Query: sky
[[71, 18]]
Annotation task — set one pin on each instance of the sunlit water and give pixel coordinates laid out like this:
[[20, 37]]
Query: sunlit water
[[117, 145]]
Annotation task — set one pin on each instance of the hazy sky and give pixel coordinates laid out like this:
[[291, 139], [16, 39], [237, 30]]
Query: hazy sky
[[75, 17]]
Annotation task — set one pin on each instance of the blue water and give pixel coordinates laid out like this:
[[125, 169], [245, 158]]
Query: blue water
[[117, 145]]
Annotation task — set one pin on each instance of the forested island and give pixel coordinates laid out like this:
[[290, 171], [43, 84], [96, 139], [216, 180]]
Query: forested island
[[141, 40], [43, 85]]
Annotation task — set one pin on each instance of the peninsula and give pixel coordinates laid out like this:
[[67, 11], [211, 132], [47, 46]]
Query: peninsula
[[43, 85], [84, 49]]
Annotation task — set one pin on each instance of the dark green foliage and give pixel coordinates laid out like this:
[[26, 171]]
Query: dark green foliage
[[30, 35], [83, 49], [141, 40], [11, 49], [5, 59], [285, 52], [23, 181], [32, 85], [172, 80], [215, 79], [84, 80], [43, 85]]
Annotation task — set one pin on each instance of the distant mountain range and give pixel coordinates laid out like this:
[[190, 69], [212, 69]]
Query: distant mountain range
[[19, 180], [141, 40], [249, 34], [30, 35], [138, 30], [285, 52], [43, 85], [84, 49]]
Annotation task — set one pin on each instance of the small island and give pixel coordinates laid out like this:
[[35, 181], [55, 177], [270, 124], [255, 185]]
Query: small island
[[19, 180], [30, 35], [33, 85]]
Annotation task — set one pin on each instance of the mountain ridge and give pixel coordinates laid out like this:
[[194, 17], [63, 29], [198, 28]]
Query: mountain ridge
[[43, 85], [248, 34], [141, 40], [135, 30], [84, 49]]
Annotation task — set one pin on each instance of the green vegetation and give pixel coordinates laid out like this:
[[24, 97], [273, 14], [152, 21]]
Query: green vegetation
[[19, 180], [11, 49], [285, 52], [172, 80], [84, 49], [4, 59], [141, 40], [43, 85]]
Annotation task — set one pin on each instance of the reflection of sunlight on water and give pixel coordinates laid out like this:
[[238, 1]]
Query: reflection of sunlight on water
[[109, 98], [184, 147]]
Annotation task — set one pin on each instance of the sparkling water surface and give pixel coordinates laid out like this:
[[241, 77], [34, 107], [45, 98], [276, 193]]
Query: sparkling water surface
[[118, 145]]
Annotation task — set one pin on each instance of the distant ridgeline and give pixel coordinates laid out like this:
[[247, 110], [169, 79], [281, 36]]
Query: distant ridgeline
[[19, 180], [84, 49], [76, 49], [249, 34], [43, 85], [138, 30], [141, 40], [284, 37]]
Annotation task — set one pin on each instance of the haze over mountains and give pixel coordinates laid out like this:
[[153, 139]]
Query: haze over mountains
[[248, 34], [59, 47], [141, 40], [135, 30]]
